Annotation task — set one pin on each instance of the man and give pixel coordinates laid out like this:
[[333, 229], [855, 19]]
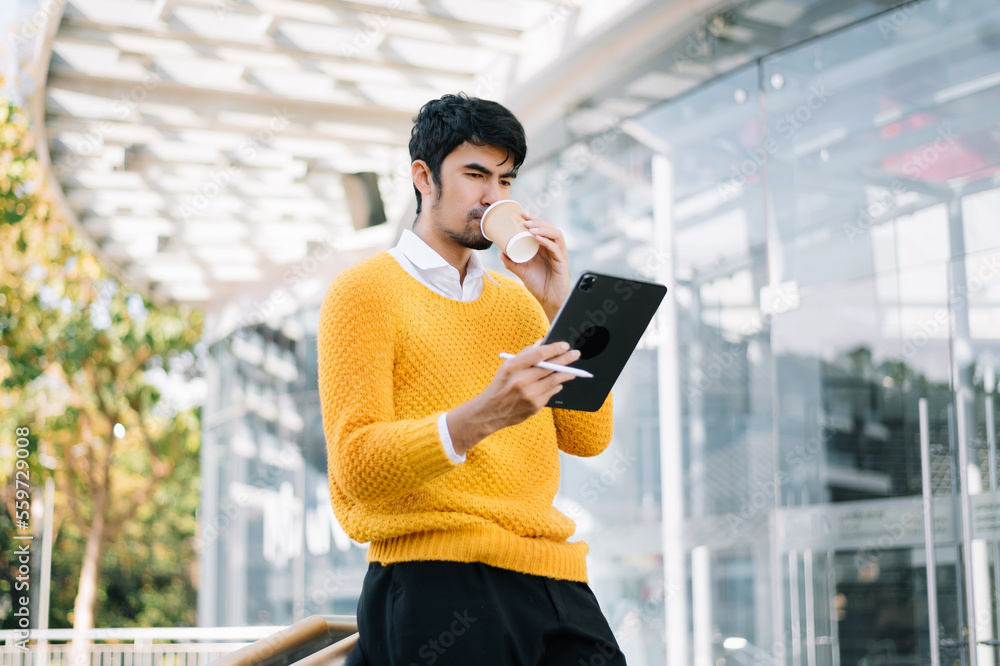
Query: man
[[441, 456]]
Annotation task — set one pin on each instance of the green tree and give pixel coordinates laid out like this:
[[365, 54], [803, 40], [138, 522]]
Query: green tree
[[79, 351]]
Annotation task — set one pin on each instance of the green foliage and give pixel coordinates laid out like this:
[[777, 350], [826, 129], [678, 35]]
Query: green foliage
[[77, 350], [17, 163]]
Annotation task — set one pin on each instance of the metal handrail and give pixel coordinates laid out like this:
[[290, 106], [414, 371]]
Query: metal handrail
[[332, 636], [334, 655], [243, 634]]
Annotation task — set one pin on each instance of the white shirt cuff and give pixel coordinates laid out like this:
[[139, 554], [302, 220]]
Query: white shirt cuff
[[449, 447]]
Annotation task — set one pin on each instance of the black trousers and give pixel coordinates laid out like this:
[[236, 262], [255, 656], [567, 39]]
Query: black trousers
[[451, 613]]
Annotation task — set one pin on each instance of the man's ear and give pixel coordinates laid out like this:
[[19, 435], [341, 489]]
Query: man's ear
[[421, 174]]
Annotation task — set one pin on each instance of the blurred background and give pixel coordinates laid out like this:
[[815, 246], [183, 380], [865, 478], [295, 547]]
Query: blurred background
[[803, 469]]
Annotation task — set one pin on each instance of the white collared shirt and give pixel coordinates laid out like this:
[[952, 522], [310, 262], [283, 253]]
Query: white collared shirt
[[430, 269], [424, 263]]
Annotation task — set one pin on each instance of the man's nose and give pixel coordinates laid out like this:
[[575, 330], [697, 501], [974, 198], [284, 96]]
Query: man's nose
[[493, 192]]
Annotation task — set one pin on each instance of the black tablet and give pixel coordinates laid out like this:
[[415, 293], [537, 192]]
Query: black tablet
[[604, 317]]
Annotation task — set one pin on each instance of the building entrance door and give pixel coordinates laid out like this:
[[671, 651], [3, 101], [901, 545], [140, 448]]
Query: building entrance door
[[962, 505], [888, 532]]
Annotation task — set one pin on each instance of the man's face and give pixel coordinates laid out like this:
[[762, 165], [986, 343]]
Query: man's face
[[472, 178]]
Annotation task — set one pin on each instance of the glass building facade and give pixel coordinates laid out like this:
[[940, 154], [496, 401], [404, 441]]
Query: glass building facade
[[803, 469], [271, 550]]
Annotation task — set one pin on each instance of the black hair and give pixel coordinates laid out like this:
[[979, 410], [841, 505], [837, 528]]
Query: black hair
[[442, 125]]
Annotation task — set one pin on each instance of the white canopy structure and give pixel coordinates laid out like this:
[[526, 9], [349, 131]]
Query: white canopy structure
[[210, 145], [216, 150]]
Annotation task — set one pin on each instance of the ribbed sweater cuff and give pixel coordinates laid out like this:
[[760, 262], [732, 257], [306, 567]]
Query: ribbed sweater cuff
[[425, 452]]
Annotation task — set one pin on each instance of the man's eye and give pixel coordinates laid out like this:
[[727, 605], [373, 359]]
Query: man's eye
[[505, 183]]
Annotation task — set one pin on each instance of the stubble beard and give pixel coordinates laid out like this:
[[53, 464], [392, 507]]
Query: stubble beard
[[471, 235]]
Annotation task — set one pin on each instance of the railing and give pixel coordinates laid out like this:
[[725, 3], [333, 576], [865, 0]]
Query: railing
[[314, 640], [191, 646]]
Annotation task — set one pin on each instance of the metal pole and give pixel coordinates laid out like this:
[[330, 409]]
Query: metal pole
[[931, 555], [793, 593], [42, 647], [957, 542], [807, 575], [834, 616], [671, 456], [963, 499], [991, 442]]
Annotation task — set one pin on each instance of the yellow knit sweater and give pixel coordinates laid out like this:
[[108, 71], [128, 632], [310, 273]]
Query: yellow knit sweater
[[394, 355]]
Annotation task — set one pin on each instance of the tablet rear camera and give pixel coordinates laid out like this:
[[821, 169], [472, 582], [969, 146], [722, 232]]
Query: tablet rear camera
[[587, 283]]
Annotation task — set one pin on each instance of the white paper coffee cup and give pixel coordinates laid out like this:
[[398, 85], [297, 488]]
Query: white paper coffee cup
[[503, 224]]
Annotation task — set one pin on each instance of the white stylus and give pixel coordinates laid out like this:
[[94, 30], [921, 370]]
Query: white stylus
[[554, 367]]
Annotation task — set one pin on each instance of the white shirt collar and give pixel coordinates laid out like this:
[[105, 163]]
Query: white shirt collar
[[431, 269]]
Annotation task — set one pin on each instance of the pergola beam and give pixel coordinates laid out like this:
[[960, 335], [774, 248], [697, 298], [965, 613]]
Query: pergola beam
[[145, 124], [60, 123], [361, 9], [173, 92], [347, 79], [268, 46], [162, 9]]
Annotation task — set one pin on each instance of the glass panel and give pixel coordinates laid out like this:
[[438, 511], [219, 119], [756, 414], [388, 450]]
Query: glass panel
[[880, 141], [598, 192], [712, 142], [976, 314], [875, 123]]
